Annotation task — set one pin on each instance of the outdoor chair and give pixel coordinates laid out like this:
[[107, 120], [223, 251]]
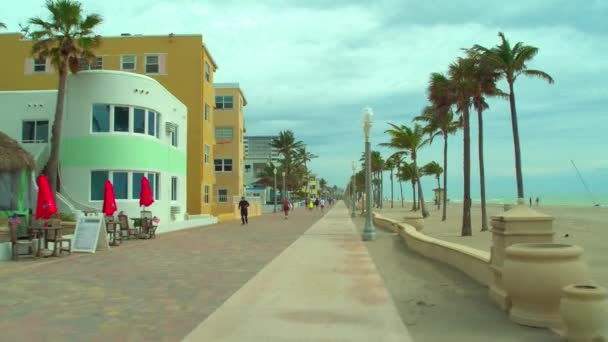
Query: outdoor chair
[[146, 214], [123, 221], [17, 242], [148, 227], [113, 230], [56, 237]]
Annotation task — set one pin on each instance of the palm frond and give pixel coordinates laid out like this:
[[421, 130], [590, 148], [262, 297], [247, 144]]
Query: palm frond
[[539, 74]]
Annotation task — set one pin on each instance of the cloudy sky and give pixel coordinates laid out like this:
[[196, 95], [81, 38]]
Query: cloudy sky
[[311, 65]]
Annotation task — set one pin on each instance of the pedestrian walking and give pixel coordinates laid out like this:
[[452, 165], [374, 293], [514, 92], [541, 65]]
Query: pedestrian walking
[[322, 204], [530, 202], [311, 204], [243, 206], [317, 203], [537, 201], [286, 206]]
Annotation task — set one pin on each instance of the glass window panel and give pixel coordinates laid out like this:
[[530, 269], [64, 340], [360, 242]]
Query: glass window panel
[[101, 118], [28, 131], [157, 124], [222, 195], [139, 120], [174, 137], [121, 119], [98, 64], [151, 123], [120, 180], [156, 186], [98, 179], [152, 66], [128, 62], [42, 131], [136, 184], [39, 65], [218, 165], [228, 165], [228, 102], [206, 193], [174, 188], [219, 102]]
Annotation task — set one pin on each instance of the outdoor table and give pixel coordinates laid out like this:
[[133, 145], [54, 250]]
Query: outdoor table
[[137, 225], [41, 232]]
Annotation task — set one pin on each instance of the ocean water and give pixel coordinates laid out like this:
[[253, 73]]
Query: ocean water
[[565, 200]]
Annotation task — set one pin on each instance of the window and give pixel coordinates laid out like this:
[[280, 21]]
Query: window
[[174, 188], [222, 195], [136, 184], [207, 154], [139, 120], [35, 131], [206, 112], [247, 168], [101, 118], [120, 181], [223, 102], [152, 123], [174, 137], [85, 65], [128, 63], [153, 179], [152, 64], [40, 65], [206, 193], [121, 119], [98, 180], [223, 134], [223, 165], [207, 72]]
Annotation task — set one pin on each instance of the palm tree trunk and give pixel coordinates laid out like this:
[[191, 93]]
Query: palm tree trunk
[[518, 173], [425, 212], [392, 198], [482, 179], [445, 176], [414, 204], [466, 203], [438, 192], [381, 191], [52, 166], [401, 186]]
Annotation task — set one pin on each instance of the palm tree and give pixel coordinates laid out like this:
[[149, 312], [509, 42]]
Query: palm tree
[[510, 63], [410, 140], [485, 78], [304, 157], [2, 25], [440, 121], [406, 173], [433, 169], [461, 87], [389, 165], [397, 159], [64, 39]]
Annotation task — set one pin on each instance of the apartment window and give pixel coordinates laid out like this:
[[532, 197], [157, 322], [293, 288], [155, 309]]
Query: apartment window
[[207, 152], [136, 184], [35, 131], [223, 134], [174, 188], [207, 72], [101, 118], [247, 168], [139, 120], [121, 119], [39, 64], [174, 137], [222, 195], [128, 63], [120, 181], [153, 123], [98, 180], [224, 102], [206, 193], [206, 112], [86, 65], [223, 165], [152, 64], [153, 179]]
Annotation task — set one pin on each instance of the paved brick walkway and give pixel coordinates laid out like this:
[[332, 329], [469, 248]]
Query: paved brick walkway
[[152, 290]]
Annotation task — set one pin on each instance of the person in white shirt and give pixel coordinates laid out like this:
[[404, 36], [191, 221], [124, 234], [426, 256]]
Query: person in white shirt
[[322, 203]]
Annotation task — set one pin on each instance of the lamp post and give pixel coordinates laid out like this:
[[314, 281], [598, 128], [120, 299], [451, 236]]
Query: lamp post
[[284, 193], [274, 189], [369, 232], [353, 190]]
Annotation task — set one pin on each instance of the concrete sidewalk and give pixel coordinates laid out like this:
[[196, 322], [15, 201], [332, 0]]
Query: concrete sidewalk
[[324, 287]]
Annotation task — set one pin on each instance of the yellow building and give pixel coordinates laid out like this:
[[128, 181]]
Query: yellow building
[[228, 151], [181, 63], [313, 187]]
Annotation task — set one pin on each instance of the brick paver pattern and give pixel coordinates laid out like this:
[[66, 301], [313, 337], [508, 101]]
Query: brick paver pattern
[[145, 290]]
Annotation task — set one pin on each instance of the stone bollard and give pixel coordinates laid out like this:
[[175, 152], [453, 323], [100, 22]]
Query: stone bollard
[[521, 224]]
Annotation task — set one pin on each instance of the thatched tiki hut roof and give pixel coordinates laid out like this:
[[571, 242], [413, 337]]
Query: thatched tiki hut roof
[[13, 157]]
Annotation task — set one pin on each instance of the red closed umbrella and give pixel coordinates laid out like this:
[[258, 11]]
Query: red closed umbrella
[[145, 195], [45, 203], [109, 201]]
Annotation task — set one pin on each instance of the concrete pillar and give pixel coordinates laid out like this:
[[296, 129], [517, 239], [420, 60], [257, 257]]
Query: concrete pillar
[[518, 225]]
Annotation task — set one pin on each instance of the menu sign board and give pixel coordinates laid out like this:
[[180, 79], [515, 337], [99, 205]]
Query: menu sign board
[[89, 235]]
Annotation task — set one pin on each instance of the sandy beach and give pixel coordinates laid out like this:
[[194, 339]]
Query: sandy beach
[[583, 226]]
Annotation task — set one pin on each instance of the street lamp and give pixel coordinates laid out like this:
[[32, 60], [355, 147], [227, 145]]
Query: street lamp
[[353, 190], [284, 193], [369, 232], [274, 189]]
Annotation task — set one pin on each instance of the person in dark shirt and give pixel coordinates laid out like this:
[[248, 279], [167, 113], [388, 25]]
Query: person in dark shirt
[[243, 205]]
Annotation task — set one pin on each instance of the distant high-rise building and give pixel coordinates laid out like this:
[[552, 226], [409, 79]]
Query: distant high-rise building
[[258, 154]]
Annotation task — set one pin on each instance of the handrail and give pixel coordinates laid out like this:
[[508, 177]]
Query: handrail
[[66, 194]]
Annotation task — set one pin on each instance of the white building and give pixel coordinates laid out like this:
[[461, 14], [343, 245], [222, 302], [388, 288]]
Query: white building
[[116, 125]]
